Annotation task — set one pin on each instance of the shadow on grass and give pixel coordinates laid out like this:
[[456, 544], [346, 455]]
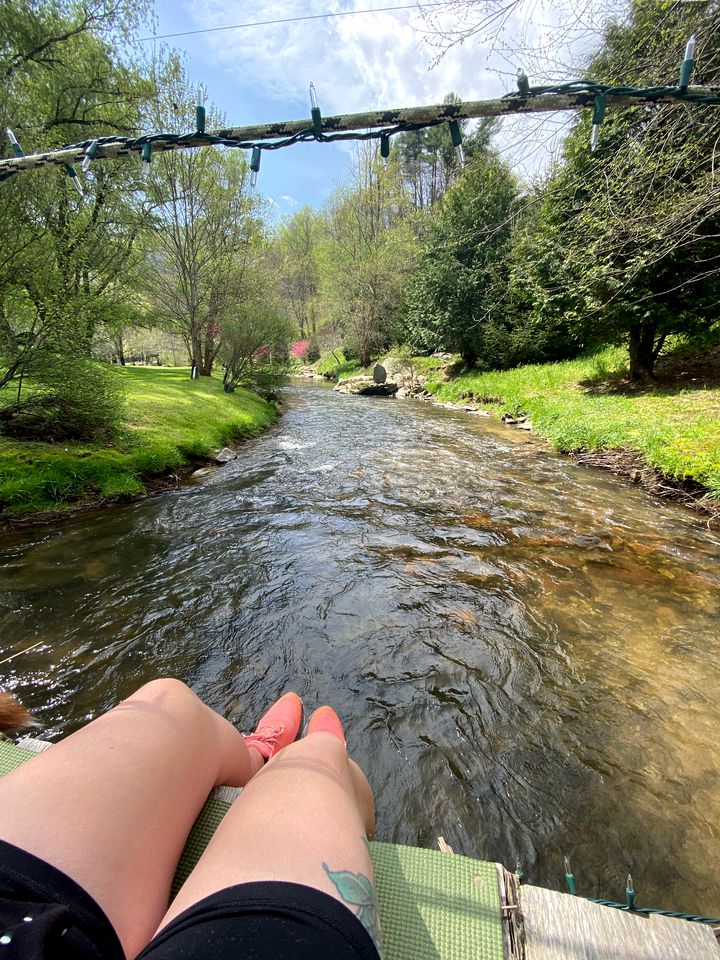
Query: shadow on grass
[[674, 373]]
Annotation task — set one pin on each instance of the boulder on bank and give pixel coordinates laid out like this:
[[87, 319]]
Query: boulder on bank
[[366, 387], [225, 456]]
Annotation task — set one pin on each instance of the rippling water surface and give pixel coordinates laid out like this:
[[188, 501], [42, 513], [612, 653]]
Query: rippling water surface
[[525, 652]]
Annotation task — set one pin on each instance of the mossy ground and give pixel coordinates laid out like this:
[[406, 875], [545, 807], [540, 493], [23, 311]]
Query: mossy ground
[[171, 422], [588, 404]]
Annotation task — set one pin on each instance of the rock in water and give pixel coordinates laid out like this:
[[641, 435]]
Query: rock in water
[[379, 373], [366, 386], [225, 456]]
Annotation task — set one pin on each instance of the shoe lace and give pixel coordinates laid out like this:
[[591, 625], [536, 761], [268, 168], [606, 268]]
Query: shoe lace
[[269, 734]]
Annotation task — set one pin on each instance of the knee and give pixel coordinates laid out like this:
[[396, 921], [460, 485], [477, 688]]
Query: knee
[[167, 692], [321, 752]]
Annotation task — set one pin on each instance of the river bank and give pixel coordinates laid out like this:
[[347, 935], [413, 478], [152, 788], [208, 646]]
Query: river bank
[[173, 425], [664, 436]]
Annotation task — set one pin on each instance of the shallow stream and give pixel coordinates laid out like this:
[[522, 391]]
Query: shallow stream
[[525, 652]]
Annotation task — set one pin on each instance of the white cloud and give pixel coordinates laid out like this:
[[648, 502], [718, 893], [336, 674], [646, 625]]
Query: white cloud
[[365, 61], [288, 200], [377, 60]]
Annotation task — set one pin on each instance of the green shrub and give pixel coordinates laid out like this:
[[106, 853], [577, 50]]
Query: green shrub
[[73, 398]]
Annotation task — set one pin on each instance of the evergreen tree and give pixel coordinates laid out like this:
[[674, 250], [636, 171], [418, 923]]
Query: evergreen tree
[[456, 295]]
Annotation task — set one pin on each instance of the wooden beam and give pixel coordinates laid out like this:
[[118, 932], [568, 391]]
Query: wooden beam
[[346, 123]]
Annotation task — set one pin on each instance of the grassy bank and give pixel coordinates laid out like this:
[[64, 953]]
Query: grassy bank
[[171, 422], [588, 405], [334, 365]]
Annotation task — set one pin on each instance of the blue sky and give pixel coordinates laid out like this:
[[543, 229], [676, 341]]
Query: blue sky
[[370, 61]]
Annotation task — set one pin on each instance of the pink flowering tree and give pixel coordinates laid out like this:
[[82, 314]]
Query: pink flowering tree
[[299, 350]]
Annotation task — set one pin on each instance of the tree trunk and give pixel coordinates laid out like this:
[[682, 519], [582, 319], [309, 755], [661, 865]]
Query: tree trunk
[[641, 347], [120, 350], [195, 357]]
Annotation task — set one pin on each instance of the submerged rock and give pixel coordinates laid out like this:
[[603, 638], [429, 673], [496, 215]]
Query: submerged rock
[[366, 387]]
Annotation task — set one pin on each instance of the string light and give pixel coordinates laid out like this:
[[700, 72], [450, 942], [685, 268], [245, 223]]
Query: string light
[[90, 155], [688, 64], [202, 94], [146, 156], [569, 877], [574, 95], [69, 168], [255, 166], [74, 179], [14, 145], [456, 137], [315, 113], [630, 893], [597, 119]]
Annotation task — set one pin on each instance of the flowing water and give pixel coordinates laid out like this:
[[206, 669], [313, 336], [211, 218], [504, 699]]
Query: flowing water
[[524, 651]]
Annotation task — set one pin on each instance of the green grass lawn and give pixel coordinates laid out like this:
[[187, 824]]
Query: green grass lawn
[[171, 421], [336, 365], [584, 404]]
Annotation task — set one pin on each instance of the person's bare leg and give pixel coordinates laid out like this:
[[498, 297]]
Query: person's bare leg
[[303, 819], [112, 805]]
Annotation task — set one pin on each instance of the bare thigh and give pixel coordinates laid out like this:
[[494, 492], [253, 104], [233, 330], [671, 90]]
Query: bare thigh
[[112, 805], [303, 819]]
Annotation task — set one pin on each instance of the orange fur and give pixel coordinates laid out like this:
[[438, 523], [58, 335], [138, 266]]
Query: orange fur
[[13, 715]]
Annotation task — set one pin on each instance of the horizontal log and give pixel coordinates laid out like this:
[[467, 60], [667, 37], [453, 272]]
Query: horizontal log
[[374, 120]]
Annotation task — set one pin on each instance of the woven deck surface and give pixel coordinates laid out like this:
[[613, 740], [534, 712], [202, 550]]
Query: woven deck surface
[[433, 905]]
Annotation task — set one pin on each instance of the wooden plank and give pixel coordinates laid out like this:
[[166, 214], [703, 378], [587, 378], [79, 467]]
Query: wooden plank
[[443, 845], [513, 934], [561, 927], [33, 744]]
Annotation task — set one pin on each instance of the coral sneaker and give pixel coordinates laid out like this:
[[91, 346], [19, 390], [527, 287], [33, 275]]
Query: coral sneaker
[[325, 720], [278, 727]]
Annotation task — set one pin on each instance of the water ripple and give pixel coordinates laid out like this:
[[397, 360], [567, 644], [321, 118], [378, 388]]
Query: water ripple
[[524, 651]]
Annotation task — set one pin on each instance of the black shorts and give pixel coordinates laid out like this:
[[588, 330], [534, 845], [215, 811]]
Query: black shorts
[[44, 915]]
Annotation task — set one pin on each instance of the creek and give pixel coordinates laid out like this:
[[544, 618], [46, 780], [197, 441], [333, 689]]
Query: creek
[[524, 651]]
